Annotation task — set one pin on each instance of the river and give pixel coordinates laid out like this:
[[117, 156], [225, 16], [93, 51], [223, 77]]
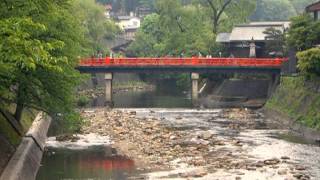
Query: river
[[242, 144]]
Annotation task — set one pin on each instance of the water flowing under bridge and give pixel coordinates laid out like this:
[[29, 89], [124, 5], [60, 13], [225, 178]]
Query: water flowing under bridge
[[193, 65]]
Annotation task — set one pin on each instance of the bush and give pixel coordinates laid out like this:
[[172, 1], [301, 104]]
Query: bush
[[83, 101], [309, 62]]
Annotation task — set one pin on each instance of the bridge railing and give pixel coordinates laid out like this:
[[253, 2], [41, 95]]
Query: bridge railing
[[195, 61]]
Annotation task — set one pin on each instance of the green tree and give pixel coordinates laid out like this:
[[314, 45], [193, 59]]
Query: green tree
[[276, 41], [39, 48], [227, 12], [304, 32], [95, 24], [309, 62], [176, 30]]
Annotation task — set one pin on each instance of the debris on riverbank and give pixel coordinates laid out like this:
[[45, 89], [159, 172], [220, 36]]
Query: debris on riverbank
[[169, 151]]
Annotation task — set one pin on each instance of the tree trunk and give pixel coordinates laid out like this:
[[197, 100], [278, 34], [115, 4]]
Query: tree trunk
[[19, 110], [19, 103], [215, 27]]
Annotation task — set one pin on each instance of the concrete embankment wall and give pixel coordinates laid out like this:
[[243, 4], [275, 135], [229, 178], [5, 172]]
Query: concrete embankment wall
[[237, 93], [25, 162], [244, 87]]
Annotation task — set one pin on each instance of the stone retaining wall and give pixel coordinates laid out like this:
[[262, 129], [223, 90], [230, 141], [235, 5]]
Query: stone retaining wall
[[25, 162]]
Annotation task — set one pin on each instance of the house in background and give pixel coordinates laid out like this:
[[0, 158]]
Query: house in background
[[249, 40], [129, 25], [314, 9], [244, 37]]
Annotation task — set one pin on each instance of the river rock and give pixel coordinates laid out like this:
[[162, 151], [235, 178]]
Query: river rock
[[282, 172], [260, 164], [133, 112], [273, 161], [67, 137], [285, 157], [251, 168], [206, 135], [300, 168], [196, 173]]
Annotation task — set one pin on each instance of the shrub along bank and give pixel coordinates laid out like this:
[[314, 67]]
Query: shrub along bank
[[299, 99]]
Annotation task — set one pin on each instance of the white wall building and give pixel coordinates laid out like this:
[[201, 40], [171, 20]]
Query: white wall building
[[129, 25]]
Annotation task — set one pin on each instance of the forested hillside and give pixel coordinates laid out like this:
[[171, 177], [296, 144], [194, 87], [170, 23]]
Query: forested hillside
[[265, 10], [272, 10]]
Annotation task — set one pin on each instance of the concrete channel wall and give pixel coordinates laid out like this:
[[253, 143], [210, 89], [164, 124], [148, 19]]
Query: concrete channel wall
[[25, 162]]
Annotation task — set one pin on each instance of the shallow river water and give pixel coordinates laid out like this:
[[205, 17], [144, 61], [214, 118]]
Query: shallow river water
[[260, 139]]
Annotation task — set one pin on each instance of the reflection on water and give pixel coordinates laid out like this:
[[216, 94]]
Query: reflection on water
[[93, 163]]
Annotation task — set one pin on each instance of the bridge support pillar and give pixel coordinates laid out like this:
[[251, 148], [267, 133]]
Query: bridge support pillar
[[108, 91], [94, 80], [195, 88]]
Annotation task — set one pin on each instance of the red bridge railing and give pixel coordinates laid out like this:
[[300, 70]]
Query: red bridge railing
[[195, 61]]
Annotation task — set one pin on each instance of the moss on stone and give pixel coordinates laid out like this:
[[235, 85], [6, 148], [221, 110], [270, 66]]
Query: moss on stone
[[7, 131]]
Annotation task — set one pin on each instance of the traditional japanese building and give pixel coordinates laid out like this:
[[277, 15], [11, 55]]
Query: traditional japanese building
[[129, 25], [249, 40], [242, 37]]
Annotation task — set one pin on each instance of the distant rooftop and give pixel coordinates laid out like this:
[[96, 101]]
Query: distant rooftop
[[286, 24], [119, 18], [253, 30]]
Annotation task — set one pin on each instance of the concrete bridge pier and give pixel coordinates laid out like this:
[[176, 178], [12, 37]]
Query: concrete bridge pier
[[94, 80], [273, 83], [195, 88], [108, 89]]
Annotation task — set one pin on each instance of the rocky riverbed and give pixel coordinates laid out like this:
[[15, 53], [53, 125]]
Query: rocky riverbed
[[204, 144]]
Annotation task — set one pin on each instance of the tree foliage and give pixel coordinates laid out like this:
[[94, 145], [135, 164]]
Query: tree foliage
[[304, 32], [227, 12], [309, 62], [41, 41], [97, 28], [276, 43]]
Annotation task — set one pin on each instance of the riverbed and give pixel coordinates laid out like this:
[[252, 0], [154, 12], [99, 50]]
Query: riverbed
[[172, 140], [180, 143]]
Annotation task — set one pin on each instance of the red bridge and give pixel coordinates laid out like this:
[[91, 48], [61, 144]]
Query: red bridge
[[170, 64], [193, 65]]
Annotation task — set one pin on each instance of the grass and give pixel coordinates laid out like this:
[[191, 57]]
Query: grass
[[298, 100]]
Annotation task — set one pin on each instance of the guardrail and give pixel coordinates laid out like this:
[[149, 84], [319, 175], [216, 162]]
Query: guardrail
[[195, 61]]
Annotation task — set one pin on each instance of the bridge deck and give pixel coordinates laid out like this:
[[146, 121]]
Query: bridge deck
[[170, 64]]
